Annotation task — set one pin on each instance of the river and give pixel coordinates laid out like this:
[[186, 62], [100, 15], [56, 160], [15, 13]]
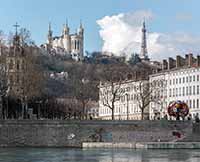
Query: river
[[92, 155]]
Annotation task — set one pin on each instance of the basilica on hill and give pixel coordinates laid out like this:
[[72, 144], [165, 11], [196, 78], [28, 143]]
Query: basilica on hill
[[67, 45]]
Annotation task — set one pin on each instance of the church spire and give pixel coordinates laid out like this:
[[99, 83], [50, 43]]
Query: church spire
[[66, 28], [144, 53], [16, 39], [66, 23], [81, 29], [81, 25]]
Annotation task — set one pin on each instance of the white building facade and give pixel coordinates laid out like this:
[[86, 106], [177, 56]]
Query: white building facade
[[126, 106], [181, 84]]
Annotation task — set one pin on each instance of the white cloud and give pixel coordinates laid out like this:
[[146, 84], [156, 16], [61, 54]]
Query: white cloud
[[122, 34]]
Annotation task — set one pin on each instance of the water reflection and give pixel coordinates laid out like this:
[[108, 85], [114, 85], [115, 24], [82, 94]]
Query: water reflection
[[78, 155]]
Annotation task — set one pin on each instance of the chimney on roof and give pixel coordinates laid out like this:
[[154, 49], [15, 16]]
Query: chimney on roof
[[190, 59], [198, 60], [186, 59], [180, 61], [171, 63], [164, 65]]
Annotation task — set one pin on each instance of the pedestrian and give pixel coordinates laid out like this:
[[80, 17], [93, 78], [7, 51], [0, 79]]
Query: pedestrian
[[189, 117], [197, 120]]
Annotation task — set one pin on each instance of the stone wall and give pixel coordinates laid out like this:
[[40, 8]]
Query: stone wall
[[46, 133]]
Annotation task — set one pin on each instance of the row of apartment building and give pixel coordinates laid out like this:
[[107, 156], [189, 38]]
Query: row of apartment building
[[180, 78]]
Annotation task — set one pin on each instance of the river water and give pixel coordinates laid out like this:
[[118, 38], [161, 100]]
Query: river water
[[79, 155]]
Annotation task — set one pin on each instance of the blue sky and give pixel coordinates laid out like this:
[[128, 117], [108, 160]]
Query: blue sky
[[170, 16]]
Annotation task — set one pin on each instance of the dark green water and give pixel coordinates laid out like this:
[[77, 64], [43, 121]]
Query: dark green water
[[79, 155]]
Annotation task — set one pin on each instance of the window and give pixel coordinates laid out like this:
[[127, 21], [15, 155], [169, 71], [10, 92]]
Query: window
[[183, 79], [176, 91], [190, 90], [179, 80], [11, 79], [170, 92], [17, 78], [170, 82], [186, 79], [193, 90], [75, 44], [197, 106], [186, 90], [197, 77], [78, 45], [173, 92], [180, 91], [190, 78], [190, 104], [194, 104], [23, 65], [183, 91], [194, 78], [132, 97], [176, 81], [11, 65], [197, 89], [18, 63]]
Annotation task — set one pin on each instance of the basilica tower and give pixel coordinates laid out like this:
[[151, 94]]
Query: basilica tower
[[66, 38]]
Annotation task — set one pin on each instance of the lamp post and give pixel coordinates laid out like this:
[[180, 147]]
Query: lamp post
[[7, 97], [39, 109], [127, 110]]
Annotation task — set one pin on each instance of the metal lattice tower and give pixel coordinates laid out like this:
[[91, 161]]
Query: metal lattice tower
[[144, 53]]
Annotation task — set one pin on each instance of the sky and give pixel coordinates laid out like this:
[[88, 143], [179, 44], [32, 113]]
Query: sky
[[112, 25]]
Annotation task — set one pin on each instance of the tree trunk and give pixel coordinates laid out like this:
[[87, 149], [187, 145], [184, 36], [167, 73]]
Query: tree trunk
[[83, 115], [142, 114], [1, 108], [113, 111], [113, 116]]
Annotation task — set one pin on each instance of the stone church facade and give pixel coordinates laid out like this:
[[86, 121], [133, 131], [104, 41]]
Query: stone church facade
[[68, 45], [15, 68]]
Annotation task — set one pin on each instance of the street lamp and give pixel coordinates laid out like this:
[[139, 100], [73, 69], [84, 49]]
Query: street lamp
[[39, 110], [127, 110], [7, 95]]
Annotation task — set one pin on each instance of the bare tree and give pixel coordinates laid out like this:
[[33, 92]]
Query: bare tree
[[112, 77], [84, 85], [2, 38], [3, 88], [25, 36], [3, 83], [147, 93], [33, 77]]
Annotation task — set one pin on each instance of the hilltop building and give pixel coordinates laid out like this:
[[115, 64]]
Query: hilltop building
[[68, 45]]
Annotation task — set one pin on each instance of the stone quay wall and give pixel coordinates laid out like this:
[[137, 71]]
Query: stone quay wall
[[57, 133]]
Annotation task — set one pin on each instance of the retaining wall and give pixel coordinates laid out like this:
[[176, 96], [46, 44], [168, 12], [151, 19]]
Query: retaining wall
[[46, 133]]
